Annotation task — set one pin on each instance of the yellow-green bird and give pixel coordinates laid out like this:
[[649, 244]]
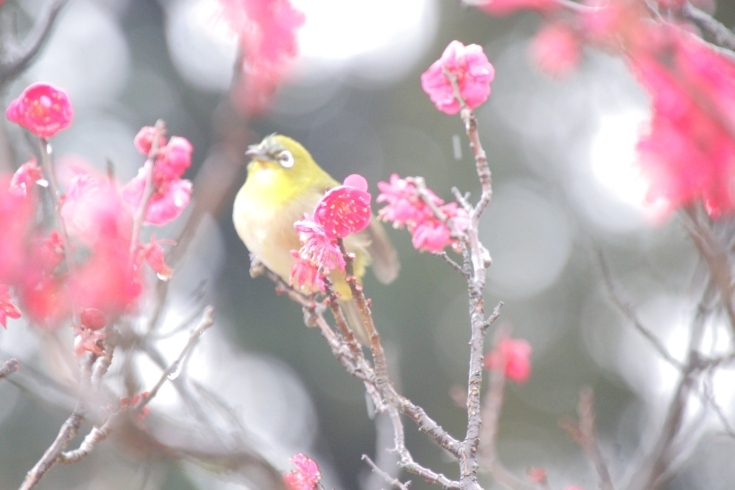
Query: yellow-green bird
[[283, 183]]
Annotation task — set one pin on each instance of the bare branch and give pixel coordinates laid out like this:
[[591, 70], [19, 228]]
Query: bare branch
[[720, 34], [631, 316], [9, 69], [392, 481]]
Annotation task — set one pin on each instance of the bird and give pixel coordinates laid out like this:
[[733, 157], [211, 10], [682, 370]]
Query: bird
[[283, 183]]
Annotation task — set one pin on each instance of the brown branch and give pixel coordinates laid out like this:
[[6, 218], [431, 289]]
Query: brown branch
[[584, 434], [721, 35], [652, 469], [631, 316], [716, 259], [392, 481], [10, 69], [9, 367]]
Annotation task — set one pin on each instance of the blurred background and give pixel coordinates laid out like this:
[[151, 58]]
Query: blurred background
[[565, 190]]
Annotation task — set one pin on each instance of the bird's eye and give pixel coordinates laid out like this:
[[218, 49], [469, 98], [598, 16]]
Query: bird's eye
[[285, 158]]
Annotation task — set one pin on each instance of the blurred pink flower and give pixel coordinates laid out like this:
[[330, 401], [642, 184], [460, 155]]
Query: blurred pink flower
[[556, 49], [92, 208], [155, 256], [306, 476], [7, 306], [267, 33], [688, 152], [505, 7], [167, 202], [42, 109], [23, 179], [173, 160], [143, 141], [345, 209], [93, 319], [473, 72], [512, 355]]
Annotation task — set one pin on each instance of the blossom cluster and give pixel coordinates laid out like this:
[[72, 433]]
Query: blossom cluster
[[266, 31], [90, 268], [687, 152], [305, 476], [465, 66], [424, 214], [342, 211]]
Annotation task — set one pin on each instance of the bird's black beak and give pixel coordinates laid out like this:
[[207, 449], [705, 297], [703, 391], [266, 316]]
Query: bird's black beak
[[257, 152]]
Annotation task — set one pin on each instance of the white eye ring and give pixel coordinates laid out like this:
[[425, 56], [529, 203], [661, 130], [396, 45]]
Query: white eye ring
[[285, 158]]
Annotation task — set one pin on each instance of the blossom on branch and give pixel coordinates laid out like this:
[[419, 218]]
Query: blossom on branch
[[306, 476], [512, 356], [7, 306], [266, 30], [23, 179], [472, 71], [170, 194], [406, 207], [344, 209], [42, 109]]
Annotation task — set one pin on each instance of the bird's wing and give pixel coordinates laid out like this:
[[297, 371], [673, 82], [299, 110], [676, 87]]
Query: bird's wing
[[385, 258]]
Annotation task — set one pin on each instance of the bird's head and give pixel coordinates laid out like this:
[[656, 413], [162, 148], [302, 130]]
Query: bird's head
[[284, 157]]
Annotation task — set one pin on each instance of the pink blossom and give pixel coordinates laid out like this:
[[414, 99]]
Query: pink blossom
[[93, 319], [556, 49], [512, 355], [305, 274], [267, 34], [42, 109], [505, 7], [167, 202], [306, 476], [23, 179], [92, 207], [173, 161], [472, 70], [406, 208], [89, 341], [144, 140], [688, 151], [345, 209], [46, 301], [7, 306], [155, 256], [431, 236], [318, 247]]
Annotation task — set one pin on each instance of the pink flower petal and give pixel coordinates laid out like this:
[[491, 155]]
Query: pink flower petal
[[42, 109], [343, 211]]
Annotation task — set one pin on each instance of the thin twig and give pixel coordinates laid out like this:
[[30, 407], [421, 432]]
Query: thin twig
[[632, 317], [206, 322], [392, 481], [721, 35], [587, 438]]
